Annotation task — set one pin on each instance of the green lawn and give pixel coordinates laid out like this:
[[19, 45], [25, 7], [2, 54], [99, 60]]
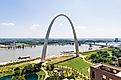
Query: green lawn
[[59, 59], [94, 51], [78, 64], [5, 74], [88, 52]]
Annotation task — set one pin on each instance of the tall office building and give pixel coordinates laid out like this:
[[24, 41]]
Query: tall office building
[[116, 40], [105, 72]]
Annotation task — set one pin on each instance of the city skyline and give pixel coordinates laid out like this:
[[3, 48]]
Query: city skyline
[[30, 19]]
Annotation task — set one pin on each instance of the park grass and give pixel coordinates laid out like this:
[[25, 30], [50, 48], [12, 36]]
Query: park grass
[[88, 52], [59, 59], [5, 74], [77, 63], [94, 51]]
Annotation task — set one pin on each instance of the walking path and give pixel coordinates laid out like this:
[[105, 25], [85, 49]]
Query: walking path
[[46, 73], [80, 74], [83, 57]]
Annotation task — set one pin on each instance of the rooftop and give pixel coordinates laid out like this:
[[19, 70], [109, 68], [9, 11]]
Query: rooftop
[[110, 69]]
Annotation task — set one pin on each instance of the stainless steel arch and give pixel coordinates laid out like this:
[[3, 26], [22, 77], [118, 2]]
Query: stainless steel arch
[[47, 36]]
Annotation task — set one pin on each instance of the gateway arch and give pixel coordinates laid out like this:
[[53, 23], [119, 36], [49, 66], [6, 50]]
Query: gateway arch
[[47, 37]]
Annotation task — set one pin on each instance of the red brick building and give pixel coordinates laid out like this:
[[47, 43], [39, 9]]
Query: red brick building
[[119, 61], [105, 72]]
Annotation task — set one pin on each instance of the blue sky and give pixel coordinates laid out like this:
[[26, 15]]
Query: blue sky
[[30, 18]]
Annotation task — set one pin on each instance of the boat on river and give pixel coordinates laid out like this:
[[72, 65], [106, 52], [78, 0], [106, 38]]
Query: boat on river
[[65, 52], [24, 57]]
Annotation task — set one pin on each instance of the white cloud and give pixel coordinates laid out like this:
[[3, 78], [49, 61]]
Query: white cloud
[[12, 24], [7, 24]]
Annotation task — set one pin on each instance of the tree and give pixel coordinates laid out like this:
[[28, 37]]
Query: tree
[[28, 69], [47, 68], [52, 67], [17, 74], [17, 71], [93, 56], [37, 67]]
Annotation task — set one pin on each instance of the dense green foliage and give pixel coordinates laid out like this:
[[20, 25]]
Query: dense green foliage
[[27, 70], [20, 73], [50, 67], [108, 56], [116, 52]]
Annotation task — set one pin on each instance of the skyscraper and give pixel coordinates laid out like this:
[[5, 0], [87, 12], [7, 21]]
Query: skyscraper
[[116, 40]]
